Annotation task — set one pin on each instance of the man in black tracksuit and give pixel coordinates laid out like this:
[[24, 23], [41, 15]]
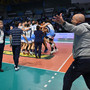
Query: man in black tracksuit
[[38, 41], [2, 42]]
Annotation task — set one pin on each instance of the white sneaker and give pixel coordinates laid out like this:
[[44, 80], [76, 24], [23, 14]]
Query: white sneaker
[[52, 52], [31, 53], [21, 51], [16, 69], [56, 50]]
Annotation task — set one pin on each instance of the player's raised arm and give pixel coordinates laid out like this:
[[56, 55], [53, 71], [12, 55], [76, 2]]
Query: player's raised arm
[[44, 25], [25, 29]]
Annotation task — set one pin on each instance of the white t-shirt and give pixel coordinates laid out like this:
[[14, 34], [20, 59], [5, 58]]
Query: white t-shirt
[[33, 28], [1, 36], [28, 32], [50, 26]]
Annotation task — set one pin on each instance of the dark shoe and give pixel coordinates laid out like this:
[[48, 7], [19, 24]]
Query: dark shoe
[[1, 70], [45, 50], [36, 56], [39, 56]]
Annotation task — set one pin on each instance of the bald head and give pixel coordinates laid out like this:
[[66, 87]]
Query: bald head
[[78, 18], [1, 21]]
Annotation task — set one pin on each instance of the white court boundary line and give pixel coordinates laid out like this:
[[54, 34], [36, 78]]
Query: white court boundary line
[[55, 42], [7, 41], [64, 63], [50, 80], [63, 42]]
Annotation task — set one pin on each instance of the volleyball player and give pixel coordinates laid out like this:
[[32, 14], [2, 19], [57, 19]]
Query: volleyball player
[[33, 28], [50, 34]]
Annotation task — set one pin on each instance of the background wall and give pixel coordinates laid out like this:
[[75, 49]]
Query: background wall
[[80, 1]]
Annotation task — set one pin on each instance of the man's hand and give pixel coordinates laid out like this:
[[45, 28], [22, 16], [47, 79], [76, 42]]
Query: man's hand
[[58, 19]]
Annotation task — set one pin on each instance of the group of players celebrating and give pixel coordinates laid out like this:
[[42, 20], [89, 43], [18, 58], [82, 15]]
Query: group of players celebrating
[[29, 29]]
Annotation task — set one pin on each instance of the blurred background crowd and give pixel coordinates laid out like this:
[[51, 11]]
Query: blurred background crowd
[[40, 10]]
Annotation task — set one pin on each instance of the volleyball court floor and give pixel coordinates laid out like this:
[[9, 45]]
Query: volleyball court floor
[[39, 74]]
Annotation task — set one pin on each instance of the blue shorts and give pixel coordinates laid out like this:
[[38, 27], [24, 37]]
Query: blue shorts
[[29, 39], [51, 34], [23, 39], [32, 37]]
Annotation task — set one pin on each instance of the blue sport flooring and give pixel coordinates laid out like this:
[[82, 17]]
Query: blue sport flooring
[[28, 78]]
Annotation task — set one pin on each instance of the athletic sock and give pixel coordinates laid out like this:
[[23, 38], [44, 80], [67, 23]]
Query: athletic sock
[[52, 48], [55, 47]]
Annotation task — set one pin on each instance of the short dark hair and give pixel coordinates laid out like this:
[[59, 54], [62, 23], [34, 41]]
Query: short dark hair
[[28, 20], [38, 27], [16, 23]]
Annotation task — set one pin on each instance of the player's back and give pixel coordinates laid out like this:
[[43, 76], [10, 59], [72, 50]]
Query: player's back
[[50, 26]]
